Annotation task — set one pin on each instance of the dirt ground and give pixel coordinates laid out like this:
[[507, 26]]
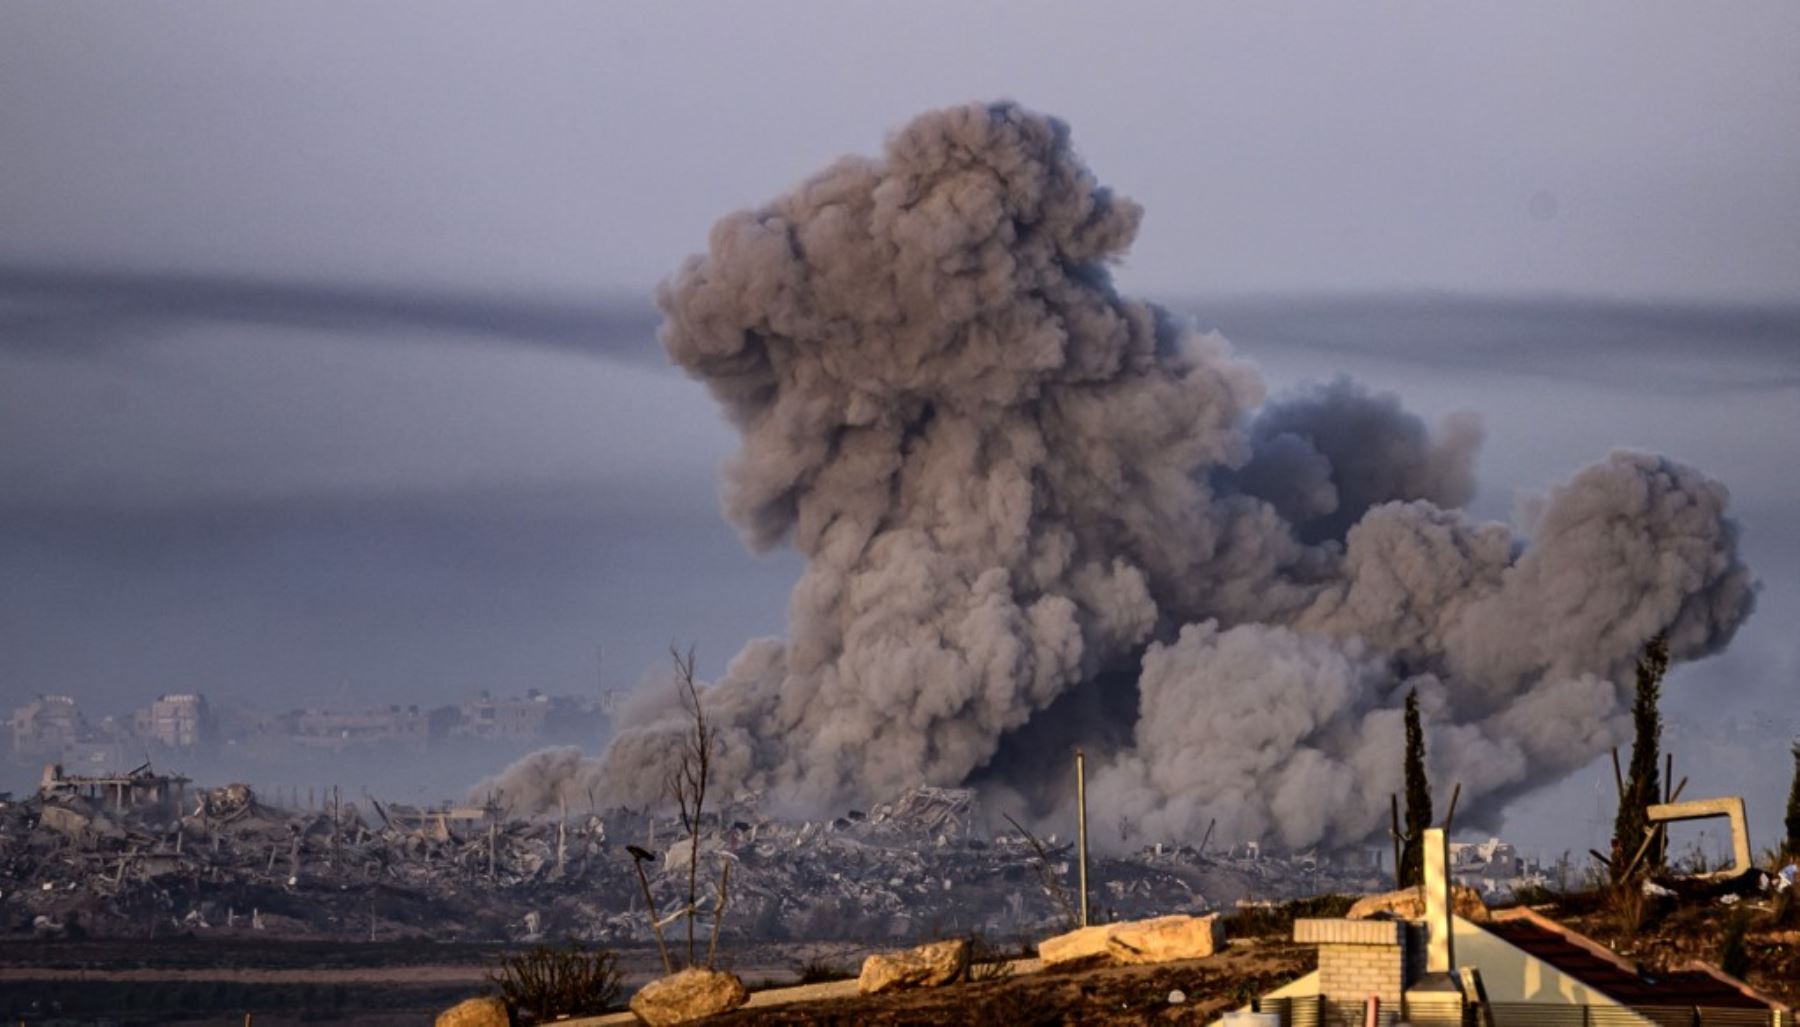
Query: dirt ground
[[195, 981], [1105, 996], [1667, 935]]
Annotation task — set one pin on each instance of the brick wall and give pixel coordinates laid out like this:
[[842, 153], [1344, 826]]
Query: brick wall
[[1351, 973], [1358, 958]]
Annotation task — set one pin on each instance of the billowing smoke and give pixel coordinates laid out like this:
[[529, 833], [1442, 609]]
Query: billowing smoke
[[553, 780], [1034, 509]]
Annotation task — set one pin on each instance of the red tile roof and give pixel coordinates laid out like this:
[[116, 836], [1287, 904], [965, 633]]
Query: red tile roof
[[1597, 967]]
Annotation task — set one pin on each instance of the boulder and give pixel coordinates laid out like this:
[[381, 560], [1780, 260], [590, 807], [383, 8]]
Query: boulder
[[693, 994], [1163, 939], [1166, 939], [1077, 945], [476, 1012], [928, 966], [1409, 904]]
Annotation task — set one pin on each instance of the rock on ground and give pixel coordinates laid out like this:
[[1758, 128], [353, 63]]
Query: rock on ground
[[1409, 904], [928, 966], [476, 1012], [693, 994], [1159, 940]]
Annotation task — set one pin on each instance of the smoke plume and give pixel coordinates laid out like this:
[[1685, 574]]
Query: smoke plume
[[1034, 509]]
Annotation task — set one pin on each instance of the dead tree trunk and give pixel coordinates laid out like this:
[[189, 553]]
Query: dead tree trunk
[[689, 781]]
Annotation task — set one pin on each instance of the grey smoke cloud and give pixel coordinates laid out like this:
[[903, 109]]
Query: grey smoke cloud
[[1011, 485], [1324, 456]]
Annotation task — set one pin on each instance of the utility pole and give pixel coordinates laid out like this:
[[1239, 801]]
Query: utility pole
[[1081, 828], [562, 824]]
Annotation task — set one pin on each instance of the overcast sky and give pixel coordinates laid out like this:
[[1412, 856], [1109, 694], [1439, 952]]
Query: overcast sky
[[1638, 149], [327, 367]]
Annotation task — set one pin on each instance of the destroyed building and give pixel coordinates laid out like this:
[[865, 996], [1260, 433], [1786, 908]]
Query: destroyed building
[[222, 860], [138, 787]]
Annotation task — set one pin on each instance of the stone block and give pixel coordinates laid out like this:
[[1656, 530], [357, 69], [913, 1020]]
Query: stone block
[[927, 966], [476, 1012], [1159, 940], [693, 994]]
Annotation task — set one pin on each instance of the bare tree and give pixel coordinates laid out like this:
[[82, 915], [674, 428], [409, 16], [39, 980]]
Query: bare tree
[[1054, 885], [689, 780]]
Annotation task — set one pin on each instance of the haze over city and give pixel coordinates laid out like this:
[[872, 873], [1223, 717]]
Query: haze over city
[[329, 372]]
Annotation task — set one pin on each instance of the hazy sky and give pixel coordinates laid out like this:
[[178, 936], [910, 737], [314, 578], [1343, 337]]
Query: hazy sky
[[568, 147], [327, 368]]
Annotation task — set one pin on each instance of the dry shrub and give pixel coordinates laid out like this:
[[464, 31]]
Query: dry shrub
[[818, 970], [1278, 921], [1785, 910], [1627, 905], [548, 982], [1734, 957], [987, 961]]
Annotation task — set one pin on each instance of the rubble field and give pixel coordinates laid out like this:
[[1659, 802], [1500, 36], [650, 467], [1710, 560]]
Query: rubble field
[[201, 909], [225, 864]]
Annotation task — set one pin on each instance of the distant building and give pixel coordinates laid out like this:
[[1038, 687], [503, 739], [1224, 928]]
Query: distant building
[[179, 721], [94, 755], [1492, 867], [242, 723], [402, 726], [46, 726], [488, 718]]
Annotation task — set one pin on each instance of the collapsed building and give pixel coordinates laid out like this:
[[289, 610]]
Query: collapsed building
[[139, 787], [924, 864]]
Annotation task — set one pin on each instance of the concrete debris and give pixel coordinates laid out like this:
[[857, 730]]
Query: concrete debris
[[693, 994], [925, 865], [930, 965], [228, 803], [946, 812], [1409, 904]]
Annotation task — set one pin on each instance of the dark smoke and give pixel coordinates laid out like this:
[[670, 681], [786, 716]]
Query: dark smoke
[[1019, 493]]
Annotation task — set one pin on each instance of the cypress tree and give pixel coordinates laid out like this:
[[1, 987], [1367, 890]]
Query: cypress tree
[[1793, 809], [1418, 798], [1643, 786]]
